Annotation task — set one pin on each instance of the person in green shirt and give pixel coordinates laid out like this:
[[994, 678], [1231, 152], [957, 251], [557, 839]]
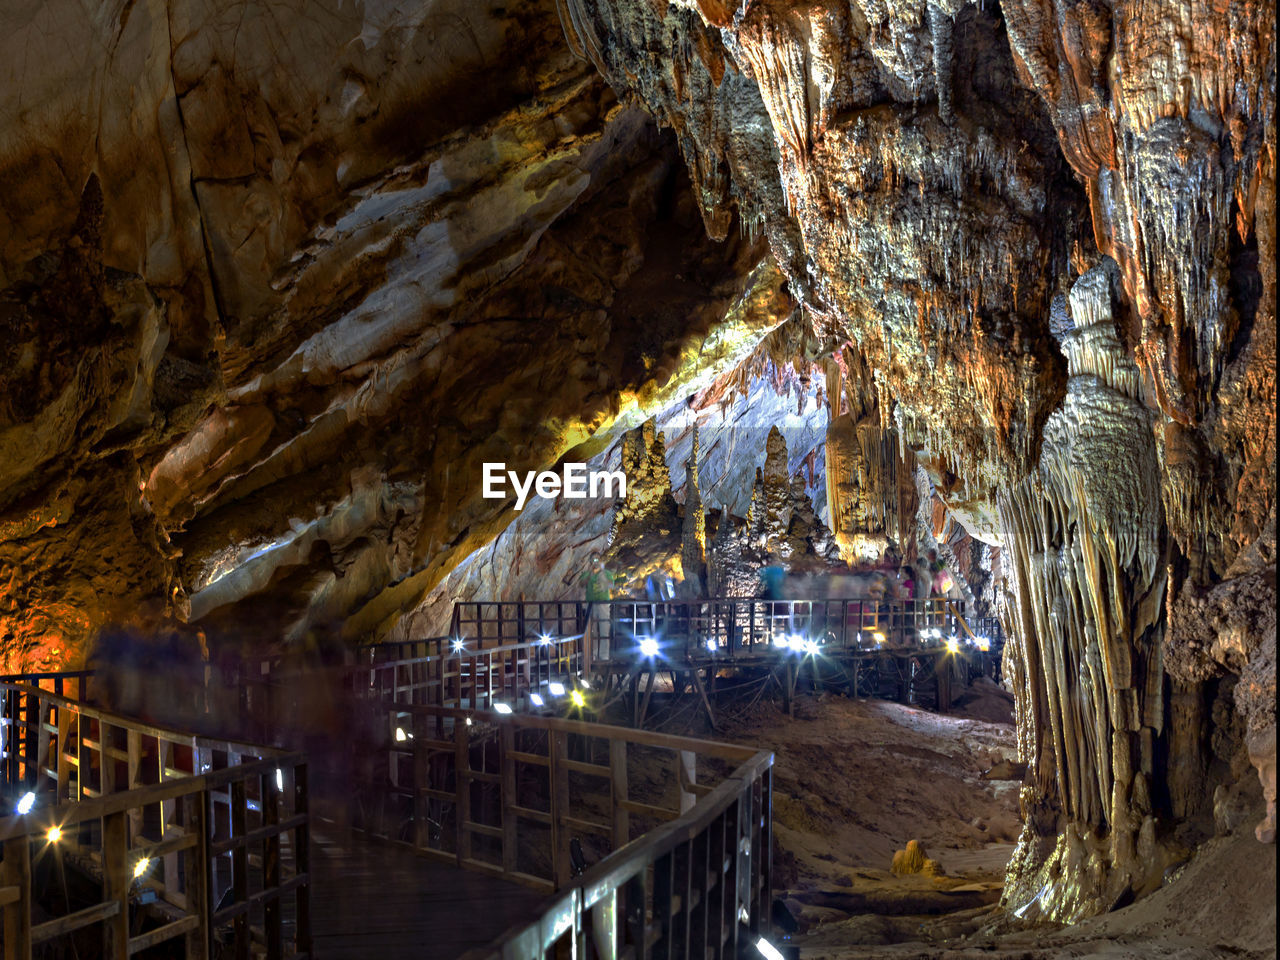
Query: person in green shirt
[[599, 581]]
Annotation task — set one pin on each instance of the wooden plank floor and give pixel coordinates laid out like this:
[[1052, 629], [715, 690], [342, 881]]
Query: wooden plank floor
[[375, 900]]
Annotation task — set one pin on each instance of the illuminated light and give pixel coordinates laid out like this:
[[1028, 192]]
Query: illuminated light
[[26, 803], [555, 689], [503, 708], [711, 646], [780, 641], [811, 647], [795, 642], [279, 779], [459, 646], [586, 684], [767, 949], [983, 644], [953, 645], [468, 721], [140, 867], [401, 736], [578, 699], [648, 647], [536, 699], [545, 640], [879, 637], [54, 834]]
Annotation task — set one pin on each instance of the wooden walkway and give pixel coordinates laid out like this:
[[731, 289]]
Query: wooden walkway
[[377, 900]]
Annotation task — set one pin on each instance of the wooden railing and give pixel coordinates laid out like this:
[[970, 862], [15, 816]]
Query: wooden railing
[[696, 885], [537, 799], [217, 831]]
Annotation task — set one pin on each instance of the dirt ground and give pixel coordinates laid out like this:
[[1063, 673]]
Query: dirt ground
[[855, 780]]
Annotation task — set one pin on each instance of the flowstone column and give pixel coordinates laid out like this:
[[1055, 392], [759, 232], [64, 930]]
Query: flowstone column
[[1084, 538]]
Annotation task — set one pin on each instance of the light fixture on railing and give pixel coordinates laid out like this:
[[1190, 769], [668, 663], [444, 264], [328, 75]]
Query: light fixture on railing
[[25, 804], [459, 645], [502, 708], [545, 639], [536, 699], [555, 689]]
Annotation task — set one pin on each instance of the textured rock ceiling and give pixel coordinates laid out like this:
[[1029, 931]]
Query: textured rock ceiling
[[278, 277]]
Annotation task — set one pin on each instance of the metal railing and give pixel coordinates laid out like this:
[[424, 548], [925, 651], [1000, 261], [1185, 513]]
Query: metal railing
[[213, 833]]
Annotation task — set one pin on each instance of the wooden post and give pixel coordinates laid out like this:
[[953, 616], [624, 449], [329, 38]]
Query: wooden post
[[16, 872], [558, 744], [116, 878], [462, 783], [618, 792], [240, 866], [197, 878], [508, 797], [302, 861], [269, 800]]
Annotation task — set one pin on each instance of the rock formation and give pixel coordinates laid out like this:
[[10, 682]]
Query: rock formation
[[275, 281]]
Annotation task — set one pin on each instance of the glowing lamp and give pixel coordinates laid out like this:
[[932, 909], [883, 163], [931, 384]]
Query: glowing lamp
[[648, 647], [536, 699], [140, 867], [768, 950], [555, 689], [401, 736], [459, 646], [545, 640], [26, 803], [953, 645], [879, 636], [503, 708], [54, 834], [711, 646], [279, 779], [578, 699]]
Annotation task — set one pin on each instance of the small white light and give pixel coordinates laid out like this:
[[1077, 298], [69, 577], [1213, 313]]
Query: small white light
[[468, 721], [279, 779], [503, 708], [983, 644], [879, 636], [26, 803], [648, 647], [555, 689], [584, 683], [953, 645], [781, 641], [711, 646], [536, 699], [767, 949], [401, 736], [578, 699], [811, 647], [545, 640], [140, 867], [54, 834], [459, 646]]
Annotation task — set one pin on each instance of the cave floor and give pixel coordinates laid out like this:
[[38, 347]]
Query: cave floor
[[372, 899]]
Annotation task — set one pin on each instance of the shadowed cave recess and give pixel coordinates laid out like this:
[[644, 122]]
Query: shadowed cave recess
[[836, 284]]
